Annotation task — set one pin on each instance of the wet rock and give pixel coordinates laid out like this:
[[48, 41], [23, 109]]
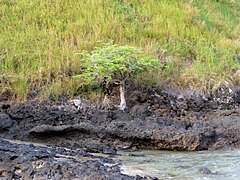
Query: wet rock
[[94, 148], [205, 170], [107, 160], [100, 149], [122, 145], [82, 153], [107, 150], [136, 155]]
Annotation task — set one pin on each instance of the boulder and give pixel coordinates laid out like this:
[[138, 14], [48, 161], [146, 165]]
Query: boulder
[[5, 121]]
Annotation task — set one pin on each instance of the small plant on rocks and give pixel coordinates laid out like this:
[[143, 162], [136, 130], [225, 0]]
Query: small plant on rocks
[[114, 64]]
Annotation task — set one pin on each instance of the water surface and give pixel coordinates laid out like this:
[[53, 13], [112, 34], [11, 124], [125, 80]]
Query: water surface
[[182, 165]]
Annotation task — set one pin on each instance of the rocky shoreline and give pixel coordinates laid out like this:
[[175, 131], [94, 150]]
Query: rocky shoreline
[[154, 120], [28, 161]]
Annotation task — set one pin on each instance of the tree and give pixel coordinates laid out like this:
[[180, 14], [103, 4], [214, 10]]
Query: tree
[[115, 63]]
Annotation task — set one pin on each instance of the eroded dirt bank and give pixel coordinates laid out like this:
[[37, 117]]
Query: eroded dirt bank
[[154, 120]]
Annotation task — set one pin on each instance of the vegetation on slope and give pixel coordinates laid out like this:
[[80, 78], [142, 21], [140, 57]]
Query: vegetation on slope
[[40, 40]]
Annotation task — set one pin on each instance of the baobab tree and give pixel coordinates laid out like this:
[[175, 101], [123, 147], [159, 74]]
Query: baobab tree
[[115, 64]]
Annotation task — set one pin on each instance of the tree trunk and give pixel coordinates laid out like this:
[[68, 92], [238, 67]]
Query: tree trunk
[[123, 104], [106, 103]]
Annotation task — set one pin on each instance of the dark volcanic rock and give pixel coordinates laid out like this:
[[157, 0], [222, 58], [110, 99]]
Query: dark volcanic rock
[[156, 120], [141, 110], [95, 148], [5, 121], [205, 170], [21, 161], [237, 96]]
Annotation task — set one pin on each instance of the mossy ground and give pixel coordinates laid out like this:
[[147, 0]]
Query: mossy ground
[[39, 40]]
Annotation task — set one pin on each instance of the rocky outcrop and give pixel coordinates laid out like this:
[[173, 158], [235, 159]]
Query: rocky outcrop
[[5, 121], [73, 128], [28, 161], [155, 120]]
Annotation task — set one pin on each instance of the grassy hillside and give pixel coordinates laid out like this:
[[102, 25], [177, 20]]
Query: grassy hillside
[[40, 39]]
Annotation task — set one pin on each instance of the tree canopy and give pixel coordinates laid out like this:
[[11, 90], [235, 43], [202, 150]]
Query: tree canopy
[[114, 62]]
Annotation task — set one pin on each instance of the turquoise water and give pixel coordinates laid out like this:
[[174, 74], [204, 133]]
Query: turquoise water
[[182, 165]]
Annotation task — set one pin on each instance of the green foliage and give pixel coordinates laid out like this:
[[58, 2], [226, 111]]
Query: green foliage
[[114, 62], [122, 8], [39, 39]]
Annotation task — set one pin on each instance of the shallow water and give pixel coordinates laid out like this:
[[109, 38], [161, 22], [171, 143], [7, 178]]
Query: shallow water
[[182, 165], [174, 165]]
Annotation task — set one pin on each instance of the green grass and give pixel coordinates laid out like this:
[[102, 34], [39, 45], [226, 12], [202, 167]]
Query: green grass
[[40, 40]]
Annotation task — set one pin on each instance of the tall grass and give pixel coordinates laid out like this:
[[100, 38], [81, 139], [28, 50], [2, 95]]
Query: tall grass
[[39, 39]]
